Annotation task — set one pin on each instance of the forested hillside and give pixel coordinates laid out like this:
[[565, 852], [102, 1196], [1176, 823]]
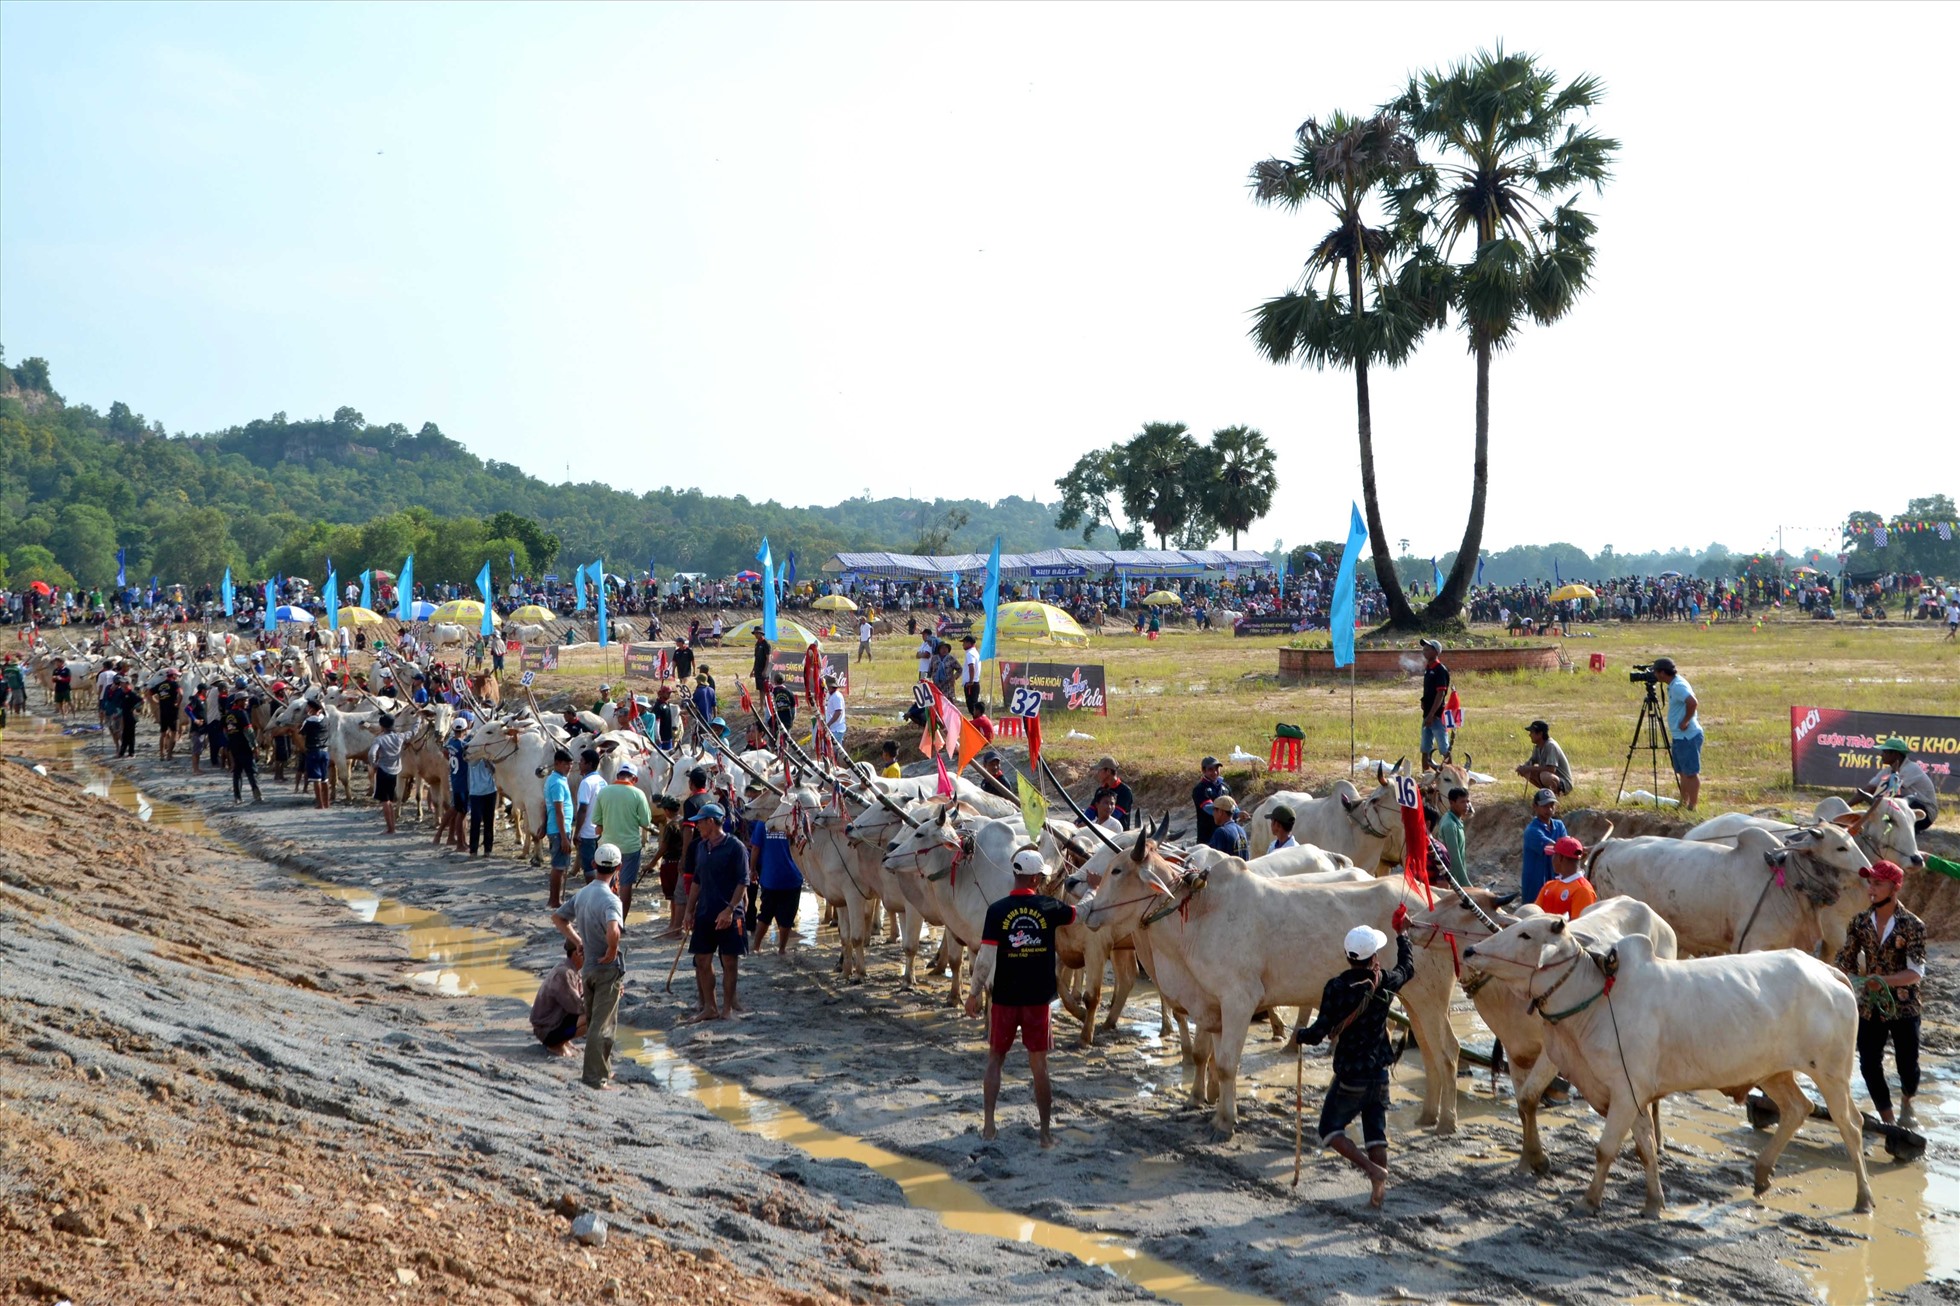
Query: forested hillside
[[282, 495]]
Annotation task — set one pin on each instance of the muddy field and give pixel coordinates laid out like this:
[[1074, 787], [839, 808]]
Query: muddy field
[[828, 1141]]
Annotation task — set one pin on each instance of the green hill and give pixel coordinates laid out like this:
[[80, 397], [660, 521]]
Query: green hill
[[282, 495]]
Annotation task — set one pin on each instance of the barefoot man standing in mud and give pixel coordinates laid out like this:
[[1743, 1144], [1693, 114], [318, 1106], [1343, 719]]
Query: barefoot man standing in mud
[[721, 877], [1016, 967]]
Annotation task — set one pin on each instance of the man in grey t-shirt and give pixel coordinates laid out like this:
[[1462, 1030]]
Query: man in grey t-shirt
[[385, 756], [591, 920], [1546, 768]]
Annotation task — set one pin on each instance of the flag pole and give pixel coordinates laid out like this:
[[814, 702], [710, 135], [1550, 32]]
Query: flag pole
[[1350, 718]]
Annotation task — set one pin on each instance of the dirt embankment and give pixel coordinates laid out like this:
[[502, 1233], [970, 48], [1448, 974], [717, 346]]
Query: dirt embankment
[[211, 1089]]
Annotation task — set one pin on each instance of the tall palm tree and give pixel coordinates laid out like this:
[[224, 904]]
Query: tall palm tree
[[1154, 479], [1368, 312], [1239, 478], [1510, 147]]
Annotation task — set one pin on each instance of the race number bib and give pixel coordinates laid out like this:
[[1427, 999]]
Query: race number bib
[[1026, 702], [1406, 792]]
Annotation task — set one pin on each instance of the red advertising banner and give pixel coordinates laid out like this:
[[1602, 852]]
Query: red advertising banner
[[1834, 748]]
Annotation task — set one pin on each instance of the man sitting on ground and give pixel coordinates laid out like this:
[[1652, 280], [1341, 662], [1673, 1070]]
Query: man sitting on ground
[[1546, 768], [558, 1012]]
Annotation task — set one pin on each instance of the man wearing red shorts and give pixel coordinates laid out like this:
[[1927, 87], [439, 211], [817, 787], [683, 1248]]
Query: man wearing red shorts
[[1017, 968]]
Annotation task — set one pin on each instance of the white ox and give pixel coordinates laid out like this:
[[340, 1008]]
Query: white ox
[[1883, 831], [1762, 893], [1086, 950], [1500, 993], [1364, 830], [519, 755], [1728, 1023], [833, 867], [1228, 942], [964, 869], [877, 826]]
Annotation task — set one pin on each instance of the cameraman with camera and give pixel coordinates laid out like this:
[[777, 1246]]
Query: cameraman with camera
[[1683, 730]]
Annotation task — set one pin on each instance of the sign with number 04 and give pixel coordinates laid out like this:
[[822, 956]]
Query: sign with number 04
[[1406, 793], [1026, 702]]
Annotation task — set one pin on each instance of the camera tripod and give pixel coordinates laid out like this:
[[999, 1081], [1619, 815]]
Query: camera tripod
[[1652, 725]]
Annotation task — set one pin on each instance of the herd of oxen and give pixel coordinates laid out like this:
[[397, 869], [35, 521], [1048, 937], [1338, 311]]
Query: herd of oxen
[[1697, 969]]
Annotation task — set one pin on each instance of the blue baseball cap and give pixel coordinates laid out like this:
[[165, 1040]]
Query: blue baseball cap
[[710, 812]]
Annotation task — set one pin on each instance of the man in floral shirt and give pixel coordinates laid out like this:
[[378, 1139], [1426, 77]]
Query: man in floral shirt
[[1885, 955]]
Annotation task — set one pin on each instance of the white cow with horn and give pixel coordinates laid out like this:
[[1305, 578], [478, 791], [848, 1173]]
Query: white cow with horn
[[1501, 993], [1883, 831], [1227, 942], [1763, 893], [1628, 1027], [1368, 831]]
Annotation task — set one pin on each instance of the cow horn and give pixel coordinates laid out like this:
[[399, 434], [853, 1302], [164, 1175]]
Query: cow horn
[[1163, 828], [1136, 853], [1380, 773], [1468, 760], [1477, 911], [1399, 763]]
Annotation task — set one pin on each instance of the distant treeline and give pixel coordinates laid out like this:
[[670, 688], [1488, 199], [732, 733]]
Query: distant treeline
[[281, 495]]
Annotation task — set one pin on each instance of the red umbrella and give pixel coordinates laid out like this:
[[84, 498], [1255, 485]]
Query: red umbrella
[[42, 587]]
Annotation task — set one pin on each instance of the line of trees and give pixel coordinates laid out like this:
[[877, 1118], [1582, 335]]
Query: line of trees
[[1454, 201], [1165, 480], [282, 495]]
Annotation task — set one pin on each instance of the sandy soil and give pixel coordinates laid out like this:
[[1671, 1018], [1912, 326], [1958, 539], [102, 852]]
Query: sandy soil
[[901, 1071]]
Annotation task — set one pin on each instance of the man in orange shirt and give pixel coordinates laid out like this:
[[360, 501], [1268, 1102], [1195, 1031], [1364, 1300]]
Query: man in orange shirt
[[1568, 892]]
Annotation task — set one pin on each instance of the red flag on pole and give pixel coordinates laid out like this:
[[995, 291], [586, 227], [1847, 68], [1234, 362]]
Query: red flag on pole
[[1032, 724]]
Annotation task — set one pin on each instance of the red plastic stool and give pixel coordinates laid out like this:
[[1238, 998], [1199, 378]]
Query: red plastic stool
[[1597, 662], [1284, 755], [1008, 727]]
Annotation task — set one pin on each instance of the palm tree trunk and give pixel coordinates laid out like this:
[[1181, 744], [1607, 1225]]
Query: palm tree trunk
[[1450, 602], [1400, 615]]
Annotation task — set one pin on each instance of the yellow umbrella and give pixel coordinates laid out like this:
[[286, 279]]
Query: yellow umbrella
[[835, 603], [1161, 599], [464, 612], [532, 614], [1028, 620], [359, 616], [788, 633], [1574, 591]]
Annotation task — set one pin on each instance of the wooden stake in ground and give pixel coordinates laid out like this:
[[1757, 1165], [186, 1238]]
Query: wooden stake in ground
[[1299, 1080]]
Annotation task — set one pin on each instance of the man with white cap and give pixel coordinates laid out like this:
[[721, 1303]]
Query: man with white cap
[[1354, 1014], [591, 921], [1016, 968]]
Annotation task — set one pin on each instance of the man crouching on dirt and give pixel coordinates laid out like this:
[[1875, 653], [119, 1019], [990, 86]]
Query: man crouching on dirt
[[1016, 967], [1354, 1013]]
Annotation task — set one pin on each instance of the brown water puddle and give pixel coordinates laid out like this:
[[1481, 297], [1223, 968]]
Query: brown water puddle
[[1903, 1243]]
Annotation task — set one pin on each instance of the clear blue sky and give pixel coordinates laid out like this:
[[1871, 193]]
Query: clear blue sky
[[804, 252]]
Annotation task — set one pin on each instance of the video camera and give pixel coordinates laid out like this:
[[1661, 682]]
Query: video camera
[[1643, 673]]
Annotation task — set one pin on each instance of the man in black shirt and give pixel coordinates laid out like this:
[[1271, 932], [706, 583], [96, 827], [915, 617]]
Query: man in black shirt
[[683, 660], [169, 700], [666, 718], [1211, 786], [1354, 1013], [244, 746], [1017, 966], [759, 670], [1108, 780], [1435, 697], [313, 753]]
